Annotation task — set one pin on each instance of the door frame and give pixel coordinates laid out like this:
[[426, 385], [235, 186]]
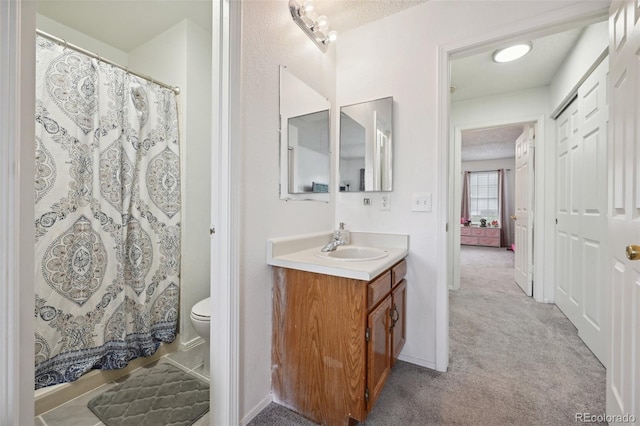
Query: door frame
[[535, 26], [455, 183], [17, 233], [224, 333], [17, 76]]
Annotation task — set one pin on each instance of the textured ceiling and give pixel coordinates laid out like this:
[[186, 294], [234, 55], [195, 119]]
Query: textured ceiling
[[344, 15], [127, 24], [491, 143]]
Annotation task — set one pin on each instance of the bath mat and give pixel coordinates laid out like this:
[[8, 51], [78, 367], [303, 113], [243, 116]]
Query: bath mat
[[161, 395]]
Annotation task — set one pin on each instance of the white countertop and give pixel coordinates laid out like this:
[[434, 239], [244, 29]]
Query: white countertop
[[300, 252]]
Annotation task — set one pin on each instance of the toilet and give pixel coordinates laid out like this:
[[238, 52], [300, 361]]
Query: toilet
[[201, 320]]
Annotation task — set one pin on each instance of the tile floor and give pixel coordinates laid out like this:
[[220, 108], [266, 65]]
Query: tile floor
[[76, 412]]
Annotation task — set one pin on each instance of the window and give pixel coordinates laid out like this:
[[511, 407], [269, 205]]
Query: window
[[483, 196]]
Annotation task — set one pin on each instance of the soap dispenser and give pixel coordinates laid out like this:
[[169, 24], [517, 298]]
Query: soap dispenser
[[342, 234]]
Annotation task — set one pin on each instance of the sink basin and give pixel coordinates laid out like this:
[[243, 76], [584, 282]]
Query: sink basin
[[353, 254]]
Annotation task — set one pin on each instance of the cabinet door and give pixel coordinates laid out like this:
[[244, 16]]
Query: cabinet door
[[399, 320], [378, 349]]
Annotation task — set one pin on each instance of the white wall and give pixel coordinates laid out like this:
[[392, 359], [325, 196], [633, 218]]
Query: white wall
[[312, 166], [82, 40], [181, 56], [592, 44], [398, 56], [513, 107], [270, 38]]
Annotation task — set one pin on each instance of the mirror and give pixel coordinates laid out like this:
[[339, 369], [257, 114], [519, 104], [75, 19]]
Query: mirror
[[366, 146], [305, 155]]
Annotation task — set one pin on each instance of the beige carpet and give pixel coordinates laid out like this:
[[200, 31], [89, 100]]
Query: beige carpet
[[512, 361]]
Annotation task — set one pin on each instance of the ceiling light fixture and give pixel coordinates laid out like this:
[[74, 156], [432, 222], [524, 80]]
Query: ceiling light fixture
[[512, 53], [316, 27]]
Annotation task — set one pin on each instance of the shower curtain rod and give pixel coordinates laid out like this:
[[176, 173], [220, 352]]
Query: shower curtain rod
[[64, 43]]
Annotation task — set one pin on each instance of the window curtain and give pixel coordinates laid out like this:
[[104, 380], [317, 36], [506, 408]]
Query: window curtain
[[466, 184], [108, 212], [504, 207]]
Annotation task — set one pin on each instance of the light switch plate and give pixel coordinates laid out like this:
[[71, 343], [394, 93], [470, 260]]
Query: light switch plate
[[421, 202]]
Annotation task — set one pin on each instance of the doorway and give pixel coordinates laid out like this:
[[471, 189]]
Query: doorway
[[542, 231], [16, 110], [485, 191]]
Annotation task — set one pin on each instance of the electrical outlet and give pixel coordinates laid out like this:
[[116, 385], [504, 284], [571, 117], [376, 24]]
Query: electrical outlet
[[385, 202]]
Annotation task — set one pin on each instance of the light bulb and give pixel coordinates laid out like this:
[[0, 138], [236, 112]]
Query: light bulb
[[322, 22], [307, 7], [511, 53], [311, 15], [332, 36]]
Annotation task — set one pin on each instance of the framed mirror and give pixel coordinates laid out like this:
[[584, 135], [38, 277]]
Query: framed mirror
[[305, 143], [366, 146]]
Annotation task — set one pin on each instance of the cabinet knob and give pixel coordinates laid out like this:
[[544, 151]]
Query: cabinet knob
[[514, 217]]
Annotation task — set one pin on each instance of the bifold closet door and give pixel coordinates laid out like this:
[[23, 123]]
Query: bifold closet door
[[581, 206]]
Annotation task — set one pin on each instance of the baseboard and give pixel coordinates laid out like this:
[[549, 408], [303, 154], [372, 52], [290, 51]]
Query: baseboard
[[418, 361], [93, 379], [185, 346], [256, 410]]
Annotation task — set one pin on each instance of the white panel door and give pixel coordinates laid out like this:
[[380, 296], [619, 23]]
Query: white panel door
[[623, 275], [567, 137], [581, 206], [524, 211]]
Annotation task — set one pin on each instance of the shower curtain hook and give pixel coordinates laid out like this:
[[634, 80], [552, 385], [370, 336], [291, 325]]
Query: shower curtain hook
[[66, 45]]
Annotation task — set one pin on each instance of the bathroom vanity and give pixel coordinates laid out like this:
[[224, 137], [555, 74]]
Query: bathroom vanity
[[336, 332]]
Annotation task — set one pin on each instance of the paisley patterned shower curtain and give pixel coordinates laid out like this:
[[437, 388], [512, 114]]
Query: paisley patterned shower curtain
[[107, 191]]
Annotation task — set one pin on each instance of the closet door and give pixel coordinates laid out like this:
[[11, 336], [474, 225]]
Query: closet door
[[581, 205]]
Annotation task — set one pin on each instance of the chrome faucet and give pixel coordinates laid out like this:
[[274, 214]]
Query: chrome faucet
[[333, 244]]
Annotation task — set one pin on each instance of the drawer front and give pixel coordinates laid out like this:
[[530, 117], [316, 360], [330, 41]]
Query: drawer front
[[468, 240], [489, 241], [477, 231], [398, 272], [378, 289], [465, 230], [492, 232]]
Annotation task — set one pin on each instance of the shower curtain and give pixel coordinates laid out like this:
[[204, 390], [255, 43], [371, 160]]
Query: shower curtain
[[108, 213]]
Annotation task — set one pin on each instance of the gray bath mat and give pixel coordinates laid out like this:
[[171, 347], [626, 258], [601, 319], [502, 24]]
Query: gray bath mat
[[162, 395]]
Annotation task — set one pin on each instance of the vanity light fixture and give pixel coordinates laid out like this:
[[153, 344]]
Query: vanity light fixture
[[316, 27], [512, 53]]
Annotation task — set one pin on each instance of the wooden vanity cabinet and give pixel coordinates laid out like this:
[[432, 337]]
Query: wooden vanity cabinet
[[335, 340]]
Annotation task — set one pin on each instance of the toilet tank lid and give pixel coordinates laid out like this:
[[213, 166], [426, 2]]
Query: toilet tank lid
[[202, 308]]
